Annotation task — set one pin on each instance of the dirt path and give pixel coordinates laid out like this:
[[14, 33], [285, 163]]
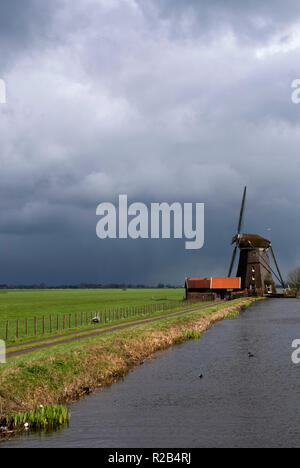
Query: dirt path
[[82, 335]]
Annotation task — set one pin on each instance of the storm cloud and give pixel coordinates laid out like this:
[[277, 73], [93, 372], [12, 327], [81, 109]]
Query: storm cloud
[[165, 100]]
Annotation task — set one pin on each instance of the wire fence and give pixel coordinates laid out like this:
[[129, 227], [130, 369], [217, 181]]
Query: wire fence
[[13, 329]]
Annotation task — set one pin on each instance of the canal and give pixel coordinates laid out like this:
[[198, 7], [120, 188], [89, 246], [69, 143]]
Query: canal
[[239, 402]]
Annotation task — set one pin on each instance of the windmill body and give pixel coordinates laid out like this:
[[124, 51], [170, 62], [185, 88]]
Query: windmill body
[[254, 266]]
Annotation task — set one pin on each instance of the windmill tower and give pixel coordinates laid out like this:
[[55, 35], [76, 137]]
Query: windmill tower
[[254, 267]]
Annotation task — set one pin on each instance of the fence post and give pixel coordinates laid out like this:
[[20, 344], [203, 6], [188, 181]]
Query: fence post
[[57, 322], [26, 326], [17, 329], [43, 324], [70, 321], [7, 328], [50, 323], [35, 326]]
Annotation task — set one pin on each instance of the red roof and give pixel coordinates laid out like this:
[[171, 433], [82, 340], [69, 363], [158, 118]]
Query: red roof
[[213, 283], [198, 283]]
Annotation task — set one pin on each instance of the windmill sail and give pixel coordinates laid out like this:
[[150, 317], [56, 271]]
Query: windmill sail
[[254, 264]]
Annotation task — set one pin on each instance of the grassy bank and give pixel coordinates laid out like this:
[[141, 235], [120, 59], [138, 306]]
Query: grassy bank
[[61, 374]]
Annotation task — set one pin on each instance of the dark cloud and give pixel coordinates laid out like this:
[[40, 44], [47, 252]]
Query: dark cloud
[[252, 21], [24, 25], [165, 101]]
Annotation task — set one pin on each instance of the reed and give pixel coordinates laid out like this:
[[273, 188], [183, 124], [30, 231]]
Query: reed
[[193, 335], [233, 314], [43, 417]]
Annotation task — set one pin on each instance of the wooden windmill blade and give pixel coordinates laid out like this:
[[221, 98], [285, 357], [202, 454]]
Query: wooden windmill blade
[[232, 261], [277, 267], [242, 212], [236, 238]]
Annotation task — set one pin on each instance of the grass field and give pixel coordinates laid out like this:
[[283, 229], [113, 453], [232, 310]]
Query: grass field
[[28, 304]]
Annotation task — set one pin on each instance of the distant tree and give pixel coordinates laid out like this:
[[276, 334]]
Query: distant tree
[[294, 279]]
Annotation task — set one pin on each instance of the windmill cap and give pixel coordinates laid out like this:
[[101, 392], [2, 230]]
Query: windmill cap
[[253, 241]]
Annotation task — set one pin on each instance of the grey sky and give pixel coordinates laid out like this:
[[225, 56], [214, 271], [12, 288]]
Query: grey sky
[[166, 100]]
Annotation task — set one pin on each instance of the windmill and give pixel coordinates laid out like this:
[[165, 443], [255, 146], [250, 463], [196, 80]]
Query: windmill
[[254, 264]]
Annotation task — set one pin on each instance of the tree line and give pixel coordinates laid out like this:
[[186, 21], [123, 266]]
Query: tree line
[[294, 279], [90, 286]]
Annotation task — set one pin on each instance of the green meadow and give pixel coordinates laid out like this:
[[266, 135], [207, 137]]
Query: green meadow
[[45, 303], [17, 304]]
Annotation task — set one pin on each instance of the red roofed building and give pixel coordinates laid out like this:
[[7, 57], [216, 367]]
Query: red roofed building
[[196, 288]]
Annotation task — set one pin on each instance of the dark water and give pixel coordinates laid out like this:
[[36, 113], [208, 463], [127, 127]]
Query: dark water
[[240, 402]]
